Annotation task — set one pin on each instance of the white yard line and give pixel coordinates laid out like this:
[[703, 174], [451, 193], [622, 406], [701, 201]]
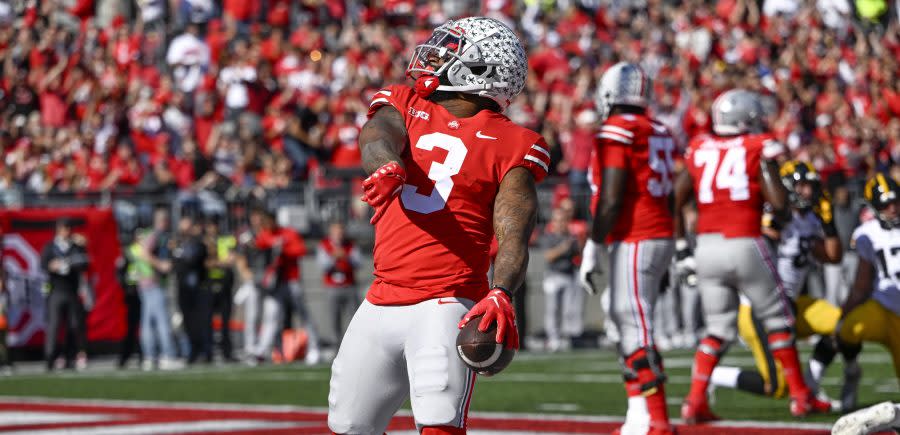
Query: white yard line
[[178, 427], [18, 418]]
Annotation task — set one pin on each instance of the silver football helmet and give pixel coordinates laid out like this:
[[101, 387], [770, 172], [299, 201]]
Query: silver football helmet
[[738, 111], [475, 55], [623, 83]]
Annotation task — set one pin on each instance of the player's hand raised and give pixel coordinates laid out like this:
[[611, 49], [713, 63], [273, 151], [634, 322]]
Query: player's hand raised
[[496, 307], [383, 186]]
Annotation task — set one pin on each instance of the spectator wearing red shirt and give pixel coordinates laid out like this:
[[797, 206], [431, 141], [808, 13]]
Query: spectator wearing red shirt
[[124, 168], [577, 146], [341, 139], [281, 280], [338, 259]]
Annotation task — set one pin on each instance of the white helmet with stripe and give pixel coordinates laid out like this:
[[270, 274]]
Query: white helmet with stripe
[[737, 111], [622, 84], [475, 55]]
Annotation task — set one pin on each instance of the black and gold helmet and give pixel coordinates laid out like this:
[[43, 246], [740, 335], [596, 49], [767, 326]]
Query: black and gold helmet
[[880, 191], [793, 172]]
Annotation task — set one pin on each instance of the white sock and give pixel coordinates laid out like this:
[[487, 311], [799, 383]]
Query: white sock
[[816, 369], [725, 376], [637, 408]]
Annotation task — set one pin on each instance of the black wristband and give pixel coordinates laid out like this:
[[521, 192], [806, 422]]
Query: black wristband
[[504, 290], [829, 229]]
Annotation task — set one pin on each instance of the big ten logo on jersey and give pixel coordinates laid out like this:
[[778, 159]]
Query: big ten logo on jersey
[[724, 164], [439, 172], [415, 113], [660, 161]]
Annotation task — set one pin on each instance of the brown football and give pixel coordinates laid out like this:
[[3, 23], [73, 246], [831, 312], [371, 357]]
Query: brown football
[[480, 351]]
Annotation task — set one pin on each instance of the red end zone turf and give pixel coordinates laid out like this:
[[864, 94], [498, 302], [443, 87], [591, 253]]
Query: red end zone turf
[[38, 416]]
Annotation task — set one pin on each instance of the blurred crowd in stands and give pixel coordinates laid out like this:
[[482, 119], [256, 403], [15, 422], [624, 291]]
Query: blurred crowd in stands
[[197, 94], [186, 96]]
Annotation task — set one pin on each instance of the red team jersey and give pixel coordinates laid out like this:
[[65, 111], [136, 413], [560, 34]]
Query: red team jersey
[[644, 148], [433, 240], [725, 172]]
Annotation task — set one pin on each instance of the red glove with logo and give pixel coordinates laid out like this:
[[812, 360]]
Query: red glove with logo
[[383, 186], [496, 306]]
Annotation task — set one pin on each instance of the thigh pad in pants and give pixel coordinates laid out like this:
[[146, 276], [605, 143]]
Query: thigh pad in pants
[[636, 271], [391, 353]]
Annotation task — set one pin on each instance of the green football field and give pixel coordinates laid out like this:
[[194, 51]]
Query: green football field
[[585, 383]]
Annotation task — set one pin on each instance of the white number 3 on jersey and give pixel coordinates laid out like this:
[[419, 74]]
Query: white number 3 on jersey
[[440, 173]]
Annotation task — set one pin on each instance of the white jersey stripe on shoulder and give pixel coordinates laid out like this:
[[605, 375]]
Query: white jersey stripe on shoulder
[[385, 92], [538, 161], [620, 130], [379, 100], [541, 150], [615, 137]]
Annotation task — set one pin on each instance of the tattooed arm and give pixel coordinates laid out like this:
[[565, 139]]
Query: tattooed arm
[[515, 213], [383, 139]]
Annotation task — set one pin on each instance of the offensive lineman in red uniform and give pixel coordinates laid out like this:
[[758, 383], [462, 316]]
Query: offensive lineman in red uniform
[[732, 173], [633, 219], [448, 172]]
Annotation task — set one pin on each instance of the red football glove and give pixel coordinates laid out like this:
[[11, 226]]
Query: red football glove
[[496, 306], [383, 186]]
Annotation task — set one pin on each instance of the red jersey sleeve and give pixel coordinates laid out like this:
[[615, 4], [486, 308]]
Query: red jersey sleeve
[[398, 96], [614, 143], [689, 151], [537, 159], [293, 244]]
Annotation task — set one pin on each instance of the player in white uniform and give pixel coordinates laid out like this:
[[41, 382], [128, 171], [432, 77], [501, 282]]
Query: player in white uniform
[[872, 310], [808, 236]]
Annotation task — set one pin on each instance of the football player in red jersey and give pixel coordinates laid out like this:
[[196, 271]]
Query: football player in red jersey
[[448, 172], [632, 217], [732, 173]]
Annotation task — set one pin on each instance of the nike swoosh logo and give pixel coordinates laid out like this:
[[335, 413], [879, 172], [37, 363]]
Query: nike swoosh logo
[[482, 136], [442, 302], [494, 298]]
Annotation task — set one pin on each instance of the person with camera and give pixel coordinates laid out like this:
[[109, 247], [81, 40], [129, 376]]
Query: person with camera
[[189, 255], [281, 284], [338, 258], [69, 297]]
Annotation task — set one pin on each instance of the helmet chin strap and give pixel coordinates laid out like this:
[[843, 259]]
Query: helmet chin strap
[[426, 84]]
